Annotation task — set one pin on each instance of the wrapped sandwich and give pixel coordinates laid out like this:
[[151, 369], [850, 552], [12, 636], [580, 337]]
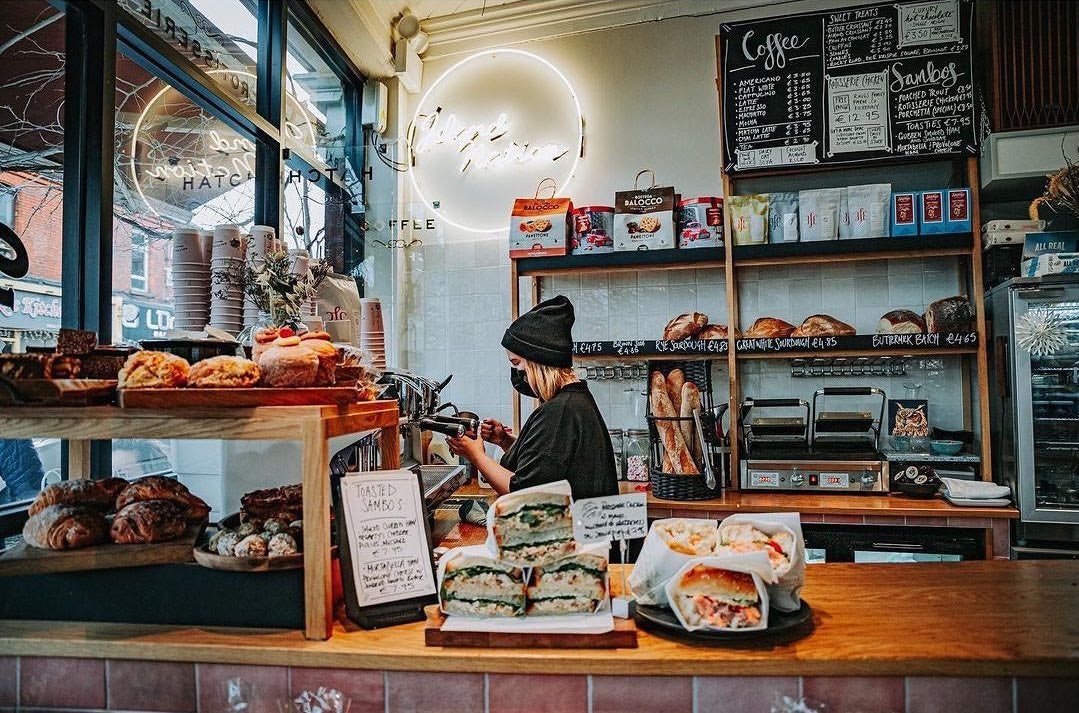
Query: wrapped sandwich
[[573, 585], [473, 584], [721, 594], [533, 526], [669, 545], [777, 535]]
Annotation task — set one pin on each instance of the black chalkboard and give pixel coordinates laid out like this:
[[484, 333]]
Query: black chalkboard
[[876, 82]]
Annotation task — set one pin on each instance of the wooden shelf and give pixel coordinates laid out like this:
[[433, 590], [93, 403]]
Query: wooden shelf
[[854, 353], [630, 261], [914, 246]]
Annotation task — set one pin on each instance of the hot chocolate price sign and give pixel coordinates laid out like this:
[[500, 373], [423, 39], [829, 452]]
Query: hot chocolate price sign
[[867, 83]]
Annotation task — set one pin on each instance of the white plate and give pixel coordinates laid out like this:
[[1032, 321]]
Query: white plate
[[978, 503]]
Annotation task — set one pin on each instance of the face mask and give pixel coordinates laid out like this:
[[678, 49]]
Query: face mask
[[520, 383]]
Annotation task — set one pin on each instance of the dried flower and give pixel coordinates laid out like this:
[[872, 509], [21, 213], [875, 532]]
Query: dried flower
[[1061, 192]]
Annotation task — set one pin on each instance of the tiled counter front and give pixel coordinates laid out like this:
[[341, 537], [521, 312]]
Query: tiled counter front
[[55, 684]]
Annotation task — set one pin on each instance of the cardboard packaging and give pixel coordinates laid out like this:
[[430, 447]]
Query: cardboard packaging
[[958, 219], [932, 216], [540, 227], [644, 218], [904, 214]]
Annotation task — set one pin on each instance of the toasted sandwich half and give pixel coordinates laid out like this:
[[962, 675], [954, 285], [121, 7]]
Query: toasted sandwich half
[[482, 586], [573, 585], [533, 528], [717, 598]]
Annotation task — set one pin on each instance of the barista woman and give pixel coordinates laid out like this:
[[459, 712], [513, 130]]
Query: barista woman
[[565, 438]]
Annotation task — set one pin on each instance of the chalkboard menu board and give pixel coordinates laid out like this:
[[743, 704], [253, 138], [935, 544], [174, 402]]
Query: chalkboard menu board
[[876, 82], [386, 562]]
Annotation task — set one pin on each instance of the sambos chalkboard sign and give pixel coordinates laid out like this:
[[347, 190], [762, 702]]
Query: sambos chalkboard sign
[[875, 82], [14, 263]]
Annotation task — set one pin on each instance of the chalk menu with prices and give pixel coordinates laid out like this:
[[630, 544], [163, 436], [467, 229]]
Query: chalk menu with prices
[[386, 540], [876, 82]]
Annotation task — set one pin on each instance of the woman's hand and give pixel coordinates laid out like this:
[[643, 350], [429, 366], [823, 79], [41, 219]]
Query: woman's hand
[[470, 448], [496, 434]]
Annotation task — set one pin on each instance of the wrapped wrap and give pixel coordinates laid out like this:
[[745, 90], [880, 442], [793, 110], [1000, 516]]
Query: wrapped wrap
[[789, 569], [669, 545], [688, 582]]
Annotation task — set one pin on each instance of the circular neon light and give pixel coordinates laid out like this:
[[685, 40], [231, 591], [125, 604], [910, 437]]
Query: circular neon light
[[166, 88], [490, 53]]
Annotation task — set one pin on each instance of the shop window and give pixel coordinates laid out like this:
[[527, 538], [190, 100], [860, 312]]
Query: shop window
[[7, 212], [140, 261], [220, 37]]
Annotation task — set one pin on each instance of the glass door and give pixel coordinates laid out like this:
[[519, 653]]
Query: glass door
[[1046, 339]]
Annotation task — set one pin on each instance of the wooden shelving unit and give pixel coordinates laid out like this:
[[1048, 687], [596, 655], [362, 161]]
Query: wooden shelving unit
[[312, 426]]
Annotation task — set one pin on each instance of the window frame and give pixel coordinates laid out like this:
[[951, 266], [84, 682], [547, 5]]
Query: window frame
[[99, 29]]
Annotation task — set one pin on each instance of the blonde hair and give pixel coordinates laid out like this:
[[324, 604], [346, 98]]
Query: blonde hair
[[548, 380]]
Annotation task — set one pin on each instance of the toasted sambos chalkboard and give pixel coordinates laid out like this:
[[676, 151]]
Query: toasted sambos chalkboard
[[876, 82]]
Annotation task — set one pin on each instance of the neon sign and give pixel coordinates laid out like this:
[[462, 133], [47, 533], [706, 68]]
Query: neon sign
[[437, 130]]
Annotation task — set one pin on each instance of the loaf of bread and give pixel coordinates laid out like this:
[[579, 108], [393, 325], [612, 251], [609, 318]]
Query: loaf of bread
[[951, 314], [691, 401], [714, 331], [684, 326], [675, 380], [66, 527], [158, 487], [224, 372], [100, 494], [769, 328], [901, 321], [823, 325], [671, 436], [154, 370], [147, 521]]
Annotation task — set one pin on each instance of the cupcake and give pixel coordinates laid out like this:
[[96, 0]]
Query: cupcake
[[288, 363]]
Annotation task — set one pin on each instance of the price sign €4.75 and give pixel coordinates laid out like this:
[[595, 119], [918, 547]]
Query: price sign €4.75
[[15, 266]]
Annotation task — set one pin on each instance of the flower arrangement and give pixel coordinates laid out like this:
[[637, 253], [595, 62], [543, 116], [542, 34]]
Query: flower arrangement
[[1061, 192], [278, 289]]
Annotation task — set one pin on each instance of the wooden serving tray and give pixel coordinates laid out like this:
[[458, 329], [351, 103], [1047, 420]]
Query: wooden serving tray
[[57, 392], [238, 398], [623, 636], [24, 559]]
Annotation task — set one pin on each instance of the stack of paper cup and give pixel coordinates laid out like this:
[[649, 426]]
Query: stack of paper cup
[[190, 279], [372, 332], [226, 279], [259, 244]]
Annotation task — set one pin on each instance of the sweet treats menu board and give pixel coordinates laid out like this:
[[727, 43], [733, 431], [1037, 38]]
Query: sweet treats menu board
[[867, 83]]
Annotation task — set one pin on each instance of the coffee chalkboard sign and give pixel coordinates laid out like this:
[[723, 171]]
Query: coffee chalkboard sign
[[386, 563], [876, 82]]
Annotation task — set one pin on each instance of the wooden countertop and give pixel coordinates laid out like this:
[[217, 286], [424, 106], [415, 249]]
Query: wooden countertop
[[938, 619]]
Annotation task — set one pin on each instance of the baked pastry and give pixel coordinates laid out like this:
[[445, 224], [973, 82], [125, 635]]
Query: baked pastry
[[674, 443], [75, 341], [224, 371], [224, 542], [533, 528], [100, 494], [714, 598], [573, 585], [288, 363], [154, 370], [951, 314], [283, 503], [769, 327], [690, 402], [823, 325], [24, 366], [158, 487], [251, 546], [104, 362], [66, 527], [281, 545], [901, 321], [263, 340], [147, 521], [319, 342], [684, 326], [714, 331], [482, 586]]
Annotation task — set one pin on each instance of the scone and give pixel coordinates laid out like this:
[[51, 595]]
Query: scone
[[224, 372], [319, 342], [153, 370], [288, 363]]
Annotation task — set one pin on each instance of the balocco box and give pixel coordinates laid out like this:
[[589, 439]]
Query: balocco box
[[540, 227], [644, 219]]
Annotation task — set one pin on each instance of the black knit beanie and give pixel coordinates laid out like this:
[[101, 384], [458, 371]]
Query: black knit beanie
[[542, 334]]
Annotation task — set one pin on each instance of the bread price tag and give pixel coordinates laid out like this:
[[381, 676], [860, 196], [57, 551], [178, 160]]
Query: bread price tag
[[615, 517]]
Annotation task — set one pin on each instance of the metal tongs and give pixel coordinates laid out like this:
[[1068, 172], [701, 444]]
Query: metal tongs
[[709, 474]]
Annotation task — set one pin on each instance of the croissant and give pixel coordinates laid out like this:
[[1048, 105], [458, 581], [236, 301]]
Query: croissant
[[157, 487], [148, 521], [91, 493], [64, 527]]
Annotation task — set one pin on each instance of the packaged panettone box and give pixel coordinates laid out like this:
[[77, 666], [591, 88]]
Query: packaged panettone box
[[644, 219], [540, 227]]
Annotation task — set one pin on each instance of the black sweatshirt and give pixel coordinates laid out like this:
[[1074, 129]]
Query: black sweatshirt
[[565, 439]]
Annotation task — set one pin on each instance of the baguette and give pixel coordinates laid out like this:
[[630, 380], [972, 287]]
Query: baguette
[[691, 401], [667, 467], [671, 435], [675, 380]]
